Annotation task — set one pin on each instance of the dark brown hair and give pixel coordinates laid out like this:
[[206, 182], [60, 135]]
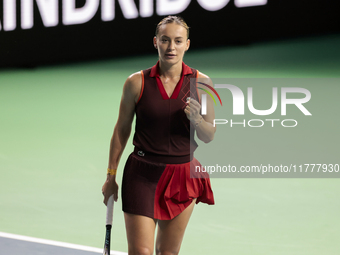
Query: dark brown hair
[[172, 19]]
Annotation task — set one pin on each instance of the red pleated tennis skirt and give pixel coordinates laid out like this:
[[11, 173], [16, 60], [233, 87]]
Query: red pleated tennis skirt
[[162, 191]]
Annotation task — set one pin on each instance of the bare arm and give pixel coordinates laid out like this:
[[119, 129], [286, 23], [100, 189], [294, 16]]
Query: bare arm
[[122, 130], [203, 123]]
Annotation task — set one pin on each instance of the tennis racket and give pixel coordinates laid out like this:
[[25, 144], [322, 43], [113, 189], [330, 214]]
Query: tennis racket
[[109, 219]]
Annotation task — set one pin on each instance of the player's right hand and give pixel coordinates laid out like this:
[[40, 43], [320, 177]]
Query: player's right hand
[[110, 187]]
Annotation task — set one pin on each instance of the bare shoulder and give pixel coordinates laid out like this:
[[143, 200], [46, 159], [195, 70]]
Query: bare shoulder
[[133, 85], [134, 81], [205, 79], [202, 75]]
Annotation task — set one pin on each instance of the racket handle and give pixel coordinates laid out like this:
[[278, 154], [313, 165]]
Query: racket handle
[[109, 211]]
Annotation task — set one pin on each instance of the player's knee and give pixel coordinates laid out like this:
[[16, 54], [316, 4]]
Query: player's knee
[[140, 251], [166, 252]]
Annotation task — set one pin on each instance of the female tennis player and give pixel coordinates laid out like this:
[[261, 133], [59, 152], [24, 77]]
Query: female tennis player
[[156, 186]]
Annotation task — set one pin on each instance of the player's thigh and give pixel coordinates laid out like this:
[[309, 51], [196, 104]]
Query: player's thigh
[[140, 231], [170, 232]]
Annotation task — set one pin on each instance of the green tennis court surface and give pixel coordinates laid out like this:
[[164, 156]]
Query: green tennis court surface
[[56, 124]]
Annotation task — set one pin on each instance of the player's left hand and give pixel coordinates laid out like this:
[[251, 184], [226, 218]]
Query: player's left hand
[[192, 110]]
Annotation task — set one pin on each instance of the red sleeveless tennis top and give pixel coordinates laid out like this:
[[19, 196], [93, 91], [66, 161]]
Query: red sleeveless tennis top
[[162, 126]]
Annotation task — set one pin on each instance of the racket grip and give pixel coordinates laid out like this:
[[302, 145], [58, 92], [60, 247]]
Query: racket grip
[[109, 211]]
